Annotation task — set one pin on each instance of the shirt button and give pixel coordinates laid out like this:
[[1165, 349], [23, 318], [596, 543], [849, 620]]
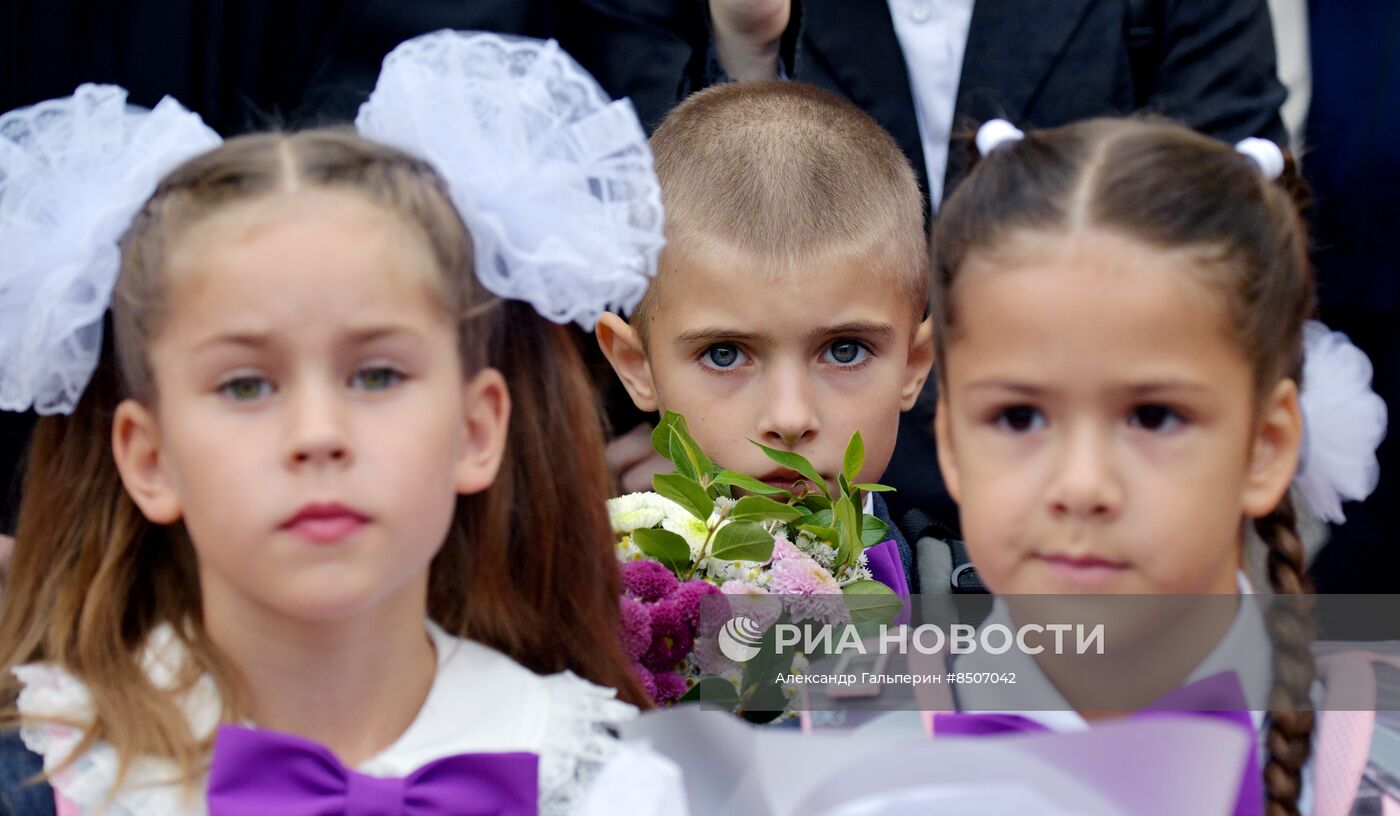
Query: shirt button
[[920, 10]]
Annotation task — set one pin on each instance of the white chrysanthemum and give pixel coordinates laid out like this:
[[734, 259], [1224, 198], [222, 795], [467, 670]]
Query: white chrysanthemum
[[639, 511], [746, 572], [688, 527], [627, 550], [817, 549]]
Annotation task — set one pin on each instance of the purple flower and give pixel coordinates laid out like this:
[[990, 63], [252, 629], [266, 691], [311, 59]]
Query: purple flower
[[688, 596], [670, 687], [636, 627], [671, 637], [644, 677], [647, 580]]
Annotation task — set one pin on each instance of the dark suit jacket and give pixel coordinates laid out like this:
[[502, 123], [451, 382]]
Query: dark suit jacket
[[1036, 64]]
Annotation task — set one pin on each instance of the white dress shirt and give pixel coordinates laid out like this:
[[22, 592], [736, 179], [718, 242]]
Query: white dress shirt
[[933, 36]]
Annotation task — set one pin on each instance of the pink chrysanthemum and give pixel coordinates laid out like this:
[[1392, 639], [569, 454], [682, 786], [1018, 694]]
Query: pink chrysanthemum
[[800, 575], [670, 687], [647, 580], [688, 598], [818, 594], [784, 549], [636, 627], [671, 637], [709, 659]]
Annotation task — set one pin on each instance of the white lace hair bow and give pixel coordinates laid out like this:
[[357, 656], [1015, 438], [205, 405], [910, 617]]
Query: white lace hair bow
[[73, 173], [554, 181], [1344, 423]]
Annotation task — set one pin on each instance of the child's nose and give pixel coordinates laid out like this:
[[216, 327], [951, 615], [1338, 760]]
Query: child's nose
[[1087, 485], [790, 417], [317, 429]]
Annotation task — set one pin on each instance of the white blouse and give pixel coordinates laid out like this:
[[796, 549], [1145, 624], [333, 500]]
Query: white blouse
[[481, 700]]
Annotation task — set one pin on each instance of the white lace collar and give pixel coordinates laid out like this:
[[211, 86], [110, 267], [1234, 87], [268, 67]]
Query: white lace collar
[[481, 700]]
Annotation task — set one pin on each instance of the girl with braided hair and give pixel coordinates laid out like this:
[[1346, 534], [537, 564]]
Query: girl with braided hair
[[1121, 314]]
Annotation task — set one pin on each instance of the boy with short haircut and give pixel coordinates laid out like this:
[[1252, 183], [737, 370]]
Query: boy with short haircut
[[790, 306]]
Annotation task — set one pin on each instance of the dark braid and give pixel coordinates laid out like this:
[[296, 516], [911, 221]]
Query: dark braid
[[1291, 719]]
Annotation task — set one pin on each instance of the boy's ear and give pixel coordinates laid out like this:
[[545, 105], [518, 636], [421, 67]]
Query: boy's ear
[[623, 347], [486, 423], [917, 367], [1278, 441], [947, 462], [139, 455]]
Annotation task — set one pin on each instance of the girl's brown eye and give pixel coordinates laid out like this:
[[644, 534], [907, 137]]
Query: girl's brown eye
[[1021, 418], [1155, 417]]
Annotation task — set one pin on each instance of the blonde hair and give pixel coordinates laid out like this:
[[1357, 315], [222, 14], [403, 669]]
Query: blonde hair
[[91, 578], [790, 174]]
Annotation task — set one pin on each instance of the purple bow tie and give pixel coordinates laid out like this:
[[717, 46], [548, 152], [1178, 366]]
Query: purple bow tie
[[272, 774], [1219, 696]]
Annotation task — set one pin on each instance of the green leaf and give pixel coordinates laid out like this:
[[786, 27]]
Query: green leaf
[[734, 478], [844, 484], [702, 464], [816, 501], [686, 493], [871, 602], [685, 464], [796, 462], [855, 457], [871, 487], [715, 691], [761, 508], [742, 541], [848, 531], [873, 531], [824, 518], [661, 434], [664, 547]]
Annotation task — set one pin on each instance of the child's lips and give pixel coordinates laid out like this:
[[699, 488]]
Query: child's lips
[[1087, 570], [325, 522], [784, 479]]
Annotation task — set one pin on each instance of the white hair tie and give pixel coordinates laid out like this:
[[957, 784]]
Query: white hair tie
[[1265, 154], [73, 173], [996, 132], [553, 179], [1344, 422]]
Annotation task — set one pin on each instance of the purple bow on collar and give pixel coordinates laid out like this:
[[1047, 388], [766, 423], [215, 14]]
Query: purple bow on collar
[[272, 774], [1219, 696]]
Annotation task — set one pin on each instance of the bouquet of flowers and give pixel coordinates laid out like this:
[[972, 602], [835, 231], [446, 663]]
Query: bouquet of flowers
[[803, 550]]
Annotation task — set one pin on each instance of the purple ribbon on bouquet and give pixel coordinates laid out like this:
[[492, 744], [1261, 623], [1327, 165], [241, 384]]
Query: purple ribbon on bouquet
[[1219, 696], [888, 568], [264, 772]]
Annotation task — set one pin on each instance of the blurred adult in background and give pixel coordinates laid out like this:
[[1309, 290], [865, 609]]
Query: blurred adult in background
[[1352, 161]]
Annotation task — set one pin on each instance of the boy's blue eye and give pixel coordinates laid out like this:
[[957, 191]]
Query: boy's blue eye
[[722, 356], [847, 352], [246, 388], [376, 379], [1155, 417], [1020, 419]]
